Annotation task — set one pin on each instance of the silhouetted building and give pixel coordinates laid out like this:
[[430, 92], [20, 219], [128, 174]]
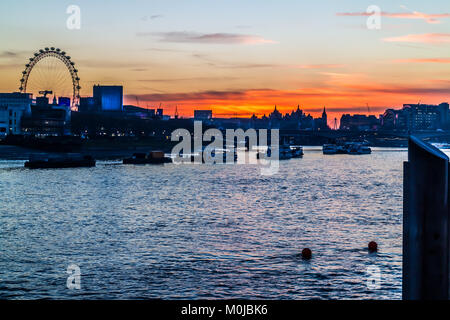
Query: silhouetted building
[[64, 101], [108, 98], [202, 115], [358, 122], [322, 123], [417, 117], [275, 115], [426, 116], [324, 119], [88, 104], [393, 119], [47, 119], [13, 106]]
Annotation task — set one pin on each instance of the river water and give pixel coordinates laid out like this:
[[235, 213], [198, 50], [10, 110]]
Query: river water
[[205, 231]]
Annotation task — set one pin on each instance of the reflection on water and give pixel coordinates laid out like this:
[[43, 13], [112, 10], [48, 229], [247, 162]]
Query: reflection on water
[[204, 231]]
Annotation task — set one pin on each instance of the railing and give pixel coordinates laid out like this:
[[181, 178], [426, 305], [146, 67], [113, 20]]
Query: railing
[[425, 223]]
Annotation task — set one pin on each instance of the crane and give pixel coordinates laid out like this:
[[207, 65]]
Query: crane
[[45, 93], [137, 101]]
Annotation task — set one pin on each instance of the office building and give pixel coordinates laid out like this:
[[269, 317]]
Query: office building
[[13, 106], [109, 98], [201, 115]]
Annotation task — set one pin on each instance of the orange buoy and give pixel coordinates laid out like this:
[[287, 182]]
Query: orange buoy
[[306, 253], [373, 246]]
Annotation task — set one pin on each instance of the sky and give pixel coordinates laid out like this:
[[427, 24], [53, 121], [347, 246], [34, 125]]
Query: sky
[[242, 57]]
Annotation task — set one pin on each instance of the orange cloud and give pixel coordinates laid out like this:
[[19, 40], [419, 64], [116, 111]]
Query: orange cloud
[[433, 38], [424, 60], [429, 18], [317, 66]]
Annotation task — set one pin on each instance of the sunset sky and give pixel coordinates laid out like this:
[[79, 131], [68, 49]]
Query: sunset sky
[[242, 57]]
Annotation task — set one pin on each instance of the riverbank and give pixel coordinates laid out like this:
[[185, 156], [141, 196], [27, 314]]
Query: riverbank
[[101, 149]]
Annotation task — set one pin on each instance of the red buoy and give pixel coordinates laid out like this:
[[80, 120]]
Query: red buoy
[[306, 253], [373, 246]]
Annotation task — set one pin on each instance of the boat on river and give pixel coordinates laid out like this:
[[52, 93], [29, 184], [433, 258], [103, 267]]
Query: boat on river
[[353, 148], [54, 162], [153, 157]]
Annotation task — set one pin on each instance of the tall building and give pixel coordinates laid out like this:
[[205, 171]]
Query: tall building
[[88, 104], [109, 98], [363, 122], [324, 119], [47, 118], [417, 117], [275, 115], [64, 101], [203, 115], [424, 116], [13, 106]]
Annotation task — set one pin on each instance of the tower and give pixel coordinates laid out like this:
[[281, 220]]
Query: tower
[[324, 118]]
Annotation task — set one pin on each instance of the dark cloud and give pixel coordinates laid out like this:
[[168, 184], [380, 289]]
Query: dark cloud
[[8, 54], [14, 54], [189, 96], [206, 38], [152, 17]]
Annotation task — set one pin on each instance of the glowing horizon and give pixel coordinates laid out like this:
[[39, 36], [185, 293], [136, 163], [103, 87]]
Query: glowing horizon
[[239, 59]]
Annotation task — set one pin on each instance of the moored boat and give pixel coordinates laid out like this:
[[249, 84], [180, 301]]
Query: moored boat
[[329, 149], [154, 157], [353, 148], [297, 151], [60, 162]]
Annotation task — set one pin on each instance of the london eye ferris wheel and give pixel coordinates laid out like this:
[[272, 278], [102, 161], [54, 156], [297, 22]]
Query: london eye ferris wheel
[[51, 71]]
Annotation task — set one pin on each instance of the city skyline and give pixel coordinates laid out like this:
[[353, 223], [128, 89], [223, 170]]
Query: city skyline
[[237, 59]]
